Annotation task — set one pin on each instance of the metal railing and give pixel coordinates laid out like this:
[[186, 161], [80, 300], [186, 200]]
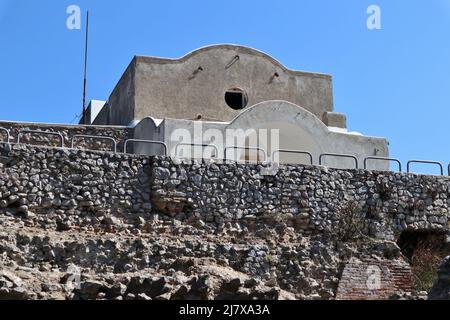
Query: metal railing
[[196, 145], [7, 135], [408, 166], [82, 136], [259, 150], [294, 152], [348, 156], [58, 134], [145, 141], [383, 159], [225, 150]]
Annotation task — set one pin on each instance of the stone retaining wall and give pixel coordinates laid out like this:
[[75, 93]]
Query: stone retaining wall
[[313, 197], [390, 202], [107, 191], [72, 187]]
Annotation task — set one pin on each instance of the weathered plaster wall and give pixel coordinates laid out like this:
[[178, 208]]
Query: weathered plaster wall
[[147, 129], [120, 108], [297, 129], [176, 88], [300, 129]]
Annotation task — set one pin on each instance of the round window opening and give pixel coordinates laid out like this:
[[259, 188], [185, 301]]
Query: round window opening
[[236, 98]]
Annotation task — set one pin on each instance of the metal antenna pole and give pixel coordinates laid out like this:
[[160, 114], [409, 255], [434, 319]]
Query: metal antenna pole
[[85, 67]]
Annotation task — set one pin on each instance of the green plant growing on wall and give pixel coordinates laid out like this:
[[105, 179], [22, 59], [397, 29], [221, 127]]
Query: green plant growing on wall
[[432, 192], [384, 190], [270, 259], [425, 263], [352, 222]]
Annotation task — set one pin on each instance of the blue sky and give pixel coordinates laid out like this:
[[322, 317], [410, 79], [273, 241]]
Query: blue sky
[[393, 82]]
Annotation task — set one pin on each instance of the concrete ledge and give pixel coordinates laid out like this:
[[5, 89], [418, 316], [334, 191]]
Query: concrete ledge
[[333, 119]]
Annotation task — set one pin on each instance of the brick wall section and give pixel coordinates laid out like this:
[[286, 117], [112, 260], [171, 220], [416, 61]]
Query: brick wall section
[[357, 281], [120, 134]]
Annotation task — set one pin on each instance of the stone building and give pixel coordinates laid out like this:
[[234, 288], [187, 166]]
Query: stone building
[[196, 98]]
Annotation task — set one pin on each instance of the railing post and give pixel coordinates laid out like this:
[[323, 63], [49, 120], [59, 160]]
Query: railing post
[[383, 159], [144, 141], [408, 166], [61, 137], [8, 137], [197, 145], [72, 143], [309, 154], [245, 148], [349, 156]]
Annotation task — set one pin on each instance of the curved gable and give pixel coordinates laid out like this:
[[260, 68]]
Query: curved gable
[[194, 86], [235, 48]]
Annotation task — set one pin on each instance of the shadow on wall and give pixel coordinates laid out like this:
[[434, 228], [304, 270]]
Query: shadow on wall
[[424, 251]]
